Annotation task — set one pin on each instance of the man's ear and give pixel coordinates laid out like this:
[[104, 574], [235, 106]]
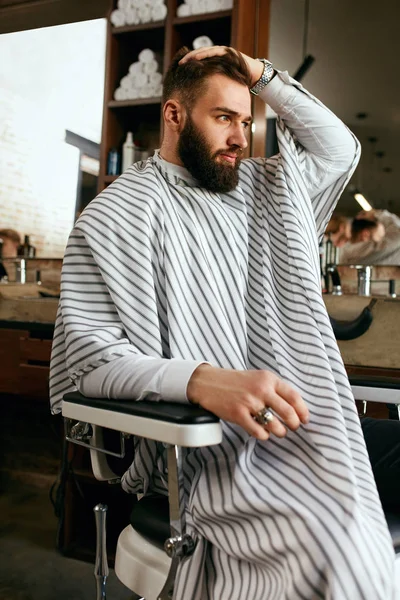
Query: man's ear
[[174, 115]]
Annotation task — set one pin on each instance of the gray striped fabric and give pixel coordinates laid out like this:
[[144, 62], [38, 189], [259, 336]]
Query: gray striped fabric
[[158, 266]]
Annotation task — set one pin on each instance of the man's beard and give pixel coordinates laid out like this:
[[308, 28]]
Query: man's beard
[[194, 152]]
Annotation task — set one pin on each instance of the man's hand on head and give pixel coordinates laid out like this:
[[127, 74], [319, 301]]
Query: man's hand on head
[[255, 67], [237, 397]]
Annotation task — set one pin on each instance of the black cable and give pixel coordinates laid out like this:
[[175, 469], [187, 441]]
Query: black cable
[[305, 32]]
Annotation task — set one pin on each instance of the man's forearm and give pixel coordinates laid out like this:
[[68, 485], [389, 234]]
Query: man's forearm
[[138, 377], [317, 129]]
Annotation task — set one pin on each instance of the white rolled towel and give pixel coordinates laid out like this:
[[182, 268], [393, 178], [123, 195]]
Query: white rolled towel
[[155, 79], [184, 10], [146, 55], [199, 7], [119, 94], [132, 17], [159, 12], [150, 67], [124, 5], [203, 41], [154, 3], [226, 4], [213, 5], [137, 3], [144, 13], [136, 67], [152, 90], [132, 94], [125, 82], [143, 92], [138, 80], [117, 18]]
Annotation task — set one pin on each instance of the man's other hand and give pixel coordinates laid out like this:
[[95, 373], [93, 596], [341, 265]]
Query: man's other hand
[[237, 396]]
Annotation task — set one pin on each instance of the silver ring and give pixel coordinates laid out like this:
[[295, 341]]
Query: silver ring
[[264, 416]]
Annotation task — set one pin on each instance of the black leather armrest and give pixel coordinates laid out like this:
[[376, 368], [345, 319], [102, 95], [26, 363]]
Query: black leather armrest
[[388, 383], [171, 412]]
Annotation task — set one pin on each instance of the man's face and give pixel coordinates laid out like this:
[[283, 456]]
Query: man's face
[[215, 134], [10, 248], [342, 235]]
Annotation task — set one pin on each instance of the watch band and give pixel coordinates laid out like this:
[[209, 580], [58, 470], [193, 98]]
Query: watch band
[[265, 78]]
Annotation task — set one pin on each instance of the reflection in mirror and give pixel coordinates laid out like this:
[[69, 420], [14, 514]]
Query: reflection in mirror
[[353, 74], [51, 90]]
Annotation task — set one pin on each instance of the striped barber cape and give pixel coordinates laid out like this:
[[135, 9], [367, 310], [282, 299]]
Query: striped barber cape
[[159, 266]]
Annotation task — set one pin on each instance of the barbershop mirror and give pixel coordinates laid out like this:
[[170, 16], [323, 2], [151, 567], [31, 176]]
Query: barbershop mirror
[[51, 90], [356, 48]]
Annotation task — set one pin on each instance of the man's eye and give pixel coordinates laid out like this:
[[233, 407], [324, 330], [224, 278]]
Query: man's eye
[[224, 118], [246, 124]]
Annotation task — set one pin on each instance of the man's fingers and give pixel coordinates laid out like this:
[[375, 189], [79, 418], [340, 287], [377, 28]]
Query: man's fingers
[[293, 397], [283, 410], [201, 53], [276, 427], [251, 426]]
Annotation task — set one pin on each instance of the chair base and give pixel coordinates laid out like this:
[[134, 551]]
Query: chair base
[[141, 565]]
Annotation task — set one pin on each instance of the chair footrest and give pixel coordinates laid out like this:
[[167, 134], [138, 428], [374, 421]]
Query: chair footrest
[[150, 517]]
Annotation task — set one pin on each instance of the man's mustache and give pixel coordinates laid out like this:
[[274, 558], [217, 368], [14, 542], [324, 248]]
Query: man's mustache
[[235, 151]]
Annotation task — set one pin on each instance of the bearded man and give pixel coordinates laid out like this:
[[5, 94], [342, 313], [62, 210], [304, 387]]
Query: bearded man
[[195, 277]]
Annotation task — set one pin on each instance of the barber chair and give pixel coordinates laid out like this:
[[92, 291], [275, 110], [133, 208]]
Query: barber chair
[[150, 547]]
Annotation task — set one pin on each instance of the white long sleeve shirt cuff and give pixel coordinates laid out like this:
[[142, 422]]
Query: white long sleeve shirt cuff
[[137, 377]]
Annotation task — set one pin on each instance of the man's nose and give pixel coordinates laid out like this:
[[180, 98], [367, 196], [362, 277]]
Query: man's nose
[[238, 137]]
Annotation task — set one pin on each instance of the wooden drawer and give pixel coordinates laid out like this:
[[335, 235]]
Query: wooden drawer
[[24, 363], [33, 381], [10, 359], [34, 350]]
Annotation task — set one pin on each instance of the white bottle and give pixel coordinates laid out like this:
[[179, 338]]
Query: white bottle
[[128, 152]]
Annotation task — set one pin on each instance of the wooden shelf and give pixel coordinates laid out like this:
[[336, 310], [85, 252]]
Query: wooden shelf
[[220, 14], [140, 27], [135, 102], [110, 178]]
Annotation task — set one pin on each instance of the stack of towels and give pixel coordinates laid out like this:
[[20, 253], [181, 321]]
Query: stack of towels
[[202, 41], [134, 12], [143, 79], [196, 7]]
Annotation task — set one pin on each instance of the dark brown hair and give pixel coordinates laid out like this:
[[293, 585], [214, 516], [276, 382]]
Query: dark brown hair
[[189, 80], [359, 225], [10, 234]]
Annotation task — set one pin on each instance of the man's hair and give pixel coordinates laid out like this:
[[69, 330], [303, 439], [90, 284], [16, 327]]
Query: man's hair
[[189, 80], [360, 225], [10, 234]]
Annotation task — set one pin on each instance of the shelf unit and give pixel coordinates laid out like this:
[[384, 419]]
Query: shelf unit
[[245, 27]]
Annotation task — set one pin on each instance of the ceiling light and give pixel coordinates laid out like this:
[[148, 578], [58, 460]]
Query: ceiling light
[[362, 201]]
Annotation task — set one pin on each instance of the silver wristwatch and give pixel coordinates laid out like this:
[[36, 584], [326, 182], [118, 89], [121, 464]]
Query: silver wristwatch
[[265, 78]]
